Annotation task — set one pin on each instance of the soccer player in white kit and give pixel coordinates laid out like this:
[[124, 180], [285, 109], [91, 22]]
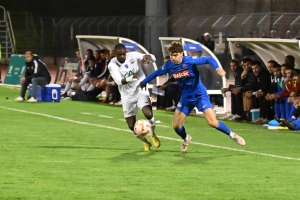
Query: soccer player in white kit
[[126, 70]]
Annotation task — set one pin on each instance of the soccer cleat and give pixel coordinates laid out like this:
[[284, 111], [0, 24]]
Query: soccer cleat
[[288, 124], [230, 116], [185, 143], [19, 99], [32, 100], [155, 140], [147, 146], [238, 139]]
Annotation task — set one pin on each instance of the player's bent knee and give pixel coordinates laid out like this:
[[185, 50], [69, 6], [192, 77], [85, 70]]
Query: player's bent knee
[[213, 123], [176, 126]]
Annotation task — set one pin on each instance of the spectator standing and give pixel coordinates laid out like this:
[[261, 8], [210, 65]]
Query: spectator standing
[[208, 42]]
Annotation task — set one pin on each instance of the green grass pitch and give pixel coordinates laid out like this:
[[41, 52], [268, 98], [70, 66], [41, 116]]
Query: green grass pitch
[[80, 150]]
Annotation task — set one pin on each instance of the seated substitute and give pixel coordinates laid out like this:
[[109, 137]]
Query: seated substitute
[[36, 73]]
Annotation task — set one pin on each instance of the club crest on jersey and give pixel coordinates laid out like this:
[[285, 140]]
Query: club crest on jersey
[[184, 66], [181, 74], [126, 65], [132, 61]]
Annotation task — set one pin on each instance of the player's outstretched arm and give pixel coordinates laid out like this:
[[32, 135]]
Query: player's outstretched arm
[[160, 71], [209, 60], [145, 58]]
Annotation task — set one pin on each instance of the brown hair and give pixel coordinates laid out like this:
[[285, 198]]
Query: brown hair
[[176, 47]]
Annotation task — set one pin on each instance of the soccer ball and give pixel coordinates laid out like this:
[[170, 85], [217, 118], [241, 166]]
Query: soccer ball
[[142, 127]]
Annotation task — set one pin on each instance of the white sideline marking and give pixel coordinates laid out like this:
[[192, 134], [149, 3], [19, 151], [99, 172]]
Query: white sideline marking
[[86, 113], [124, 120], [162, 126], [104, 116], [167, 138]]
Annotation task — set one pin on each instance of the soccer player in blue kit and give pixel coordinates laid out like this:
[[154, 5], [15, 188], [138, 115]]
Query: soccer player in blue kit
[[194, 94]]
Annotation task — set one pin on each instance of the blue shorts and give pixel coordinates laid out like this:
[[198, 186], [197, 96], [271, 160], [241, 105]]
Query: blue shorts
[[202, 103]]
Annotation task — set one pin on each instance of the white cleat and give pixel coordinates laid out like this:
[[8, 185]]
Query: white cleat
[[32, 100], [238, 139], [184, 146], [19, 99]]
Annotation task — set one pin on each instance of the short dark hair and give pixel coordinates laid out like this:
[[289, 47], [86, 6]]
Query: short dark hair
[[90, 50], [104, 51], [294, 73], [256, 62], [167, 57], [76, 50], [273, 62], [235, 61], [290, 57], [277, 66], [247, 60], [120, 46]]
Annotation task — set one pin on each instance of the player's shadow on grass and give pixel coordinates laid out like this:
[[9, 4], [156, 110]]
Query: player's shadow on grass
[[132, 156]]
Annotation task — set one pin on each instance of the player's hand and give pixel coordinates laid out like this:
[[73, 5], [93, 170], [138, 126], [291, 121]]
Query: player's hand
[[146, 59], [142, 85], [244, 73], [221, 72], [236, 90], [22, 80], [132, 78], [259, 94], [223, 90], [162, 87], [293, 94]]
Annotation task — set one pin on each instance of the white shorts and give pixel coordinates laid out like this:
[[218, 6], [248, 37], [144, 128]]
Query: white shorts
[[130, 107]]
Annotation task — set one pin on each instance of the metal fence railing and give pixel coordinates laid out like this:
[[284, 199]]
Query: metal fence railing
[[57, 36]]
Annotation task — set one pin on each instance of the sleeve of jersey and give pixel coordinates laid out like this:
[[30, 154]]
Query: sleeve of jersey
[[113, 69], [160, 71], [140, 56], [205, 60]]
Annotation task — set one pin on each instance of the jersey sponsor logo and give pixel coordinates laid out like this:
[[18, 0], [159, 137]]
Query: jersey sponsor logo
[[181, 74]]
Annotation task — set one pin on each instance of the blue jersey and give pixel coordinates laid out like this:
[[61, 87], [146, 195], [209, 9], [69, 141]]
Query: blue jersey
[[187, 76]]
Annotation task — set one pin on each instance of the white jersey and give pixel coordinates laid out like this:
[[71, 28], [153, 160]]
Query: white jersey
[[119, 71]]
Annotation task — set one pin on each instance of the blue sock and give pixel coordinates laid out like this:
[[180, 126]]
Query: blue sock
[[181, 132], [291, 113], [297, 124], [277, 109], [282, 108], [288, 109], [222, 127]]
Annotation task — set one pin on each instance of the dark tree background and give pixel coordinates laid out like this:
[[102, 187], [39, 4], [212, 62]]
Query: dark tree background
[[76, 8]]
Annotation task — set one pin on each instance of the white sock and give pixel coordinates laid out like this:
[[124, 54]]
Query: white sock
[[91, 87], [231, 134], [83, 80], [152, 123], [73, 85], [68, 86], [140, 137]]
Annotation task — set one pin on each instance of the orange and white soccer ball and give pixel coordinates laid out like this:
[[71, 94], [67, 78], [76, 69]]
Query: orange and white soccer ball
[[142, 127]]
